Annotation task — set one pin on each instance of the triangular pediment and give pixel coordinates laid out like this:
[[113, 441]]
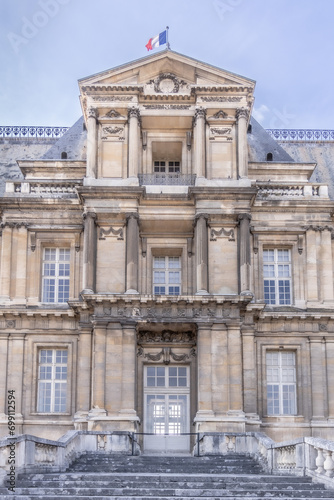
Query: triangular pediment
[[148, 69]]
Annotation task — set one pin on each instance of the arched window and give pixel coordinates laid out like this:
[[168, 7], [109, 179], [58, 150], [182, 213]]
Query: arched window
[[249, 130], [64, 155], [269, 157]]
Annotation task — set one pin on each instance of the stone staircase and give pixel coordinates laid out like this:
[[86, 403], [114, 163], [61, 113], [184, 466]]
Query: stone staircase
[[100, 477]]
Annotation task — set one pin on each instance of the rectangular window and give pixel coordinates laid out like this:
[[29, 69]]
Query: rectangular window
[[167, 275], [281, 383], [167, 167], [56, 275], [52, 381], [277, 276]]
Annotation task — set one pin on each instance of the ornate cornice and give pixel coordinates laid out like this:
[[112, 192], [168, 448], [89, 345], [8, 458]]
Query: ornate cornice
[[166, 337]]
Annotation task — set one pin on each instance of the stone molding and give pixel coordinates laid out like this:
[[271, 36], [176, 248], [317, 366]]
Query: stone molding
[[111, 232], [113, 98], [168, 106], [220, 233], [166, 337], [221, 98], [167, 77], [166, 354]]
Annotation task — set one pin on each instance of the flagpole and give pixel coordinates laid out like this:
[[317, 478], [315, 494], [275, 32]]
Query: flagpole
[[168, 46]]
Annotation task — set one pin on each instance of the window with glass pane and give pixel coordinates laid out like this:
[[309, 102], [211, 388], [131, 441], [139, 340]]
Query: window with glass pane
[[277, 276], [56, 275], [52, 381], [169, 167], [167, 275], [281, 383]]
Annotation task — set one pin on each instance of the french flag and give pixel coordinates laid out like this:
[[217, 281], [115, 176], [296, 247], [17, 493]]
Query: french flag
[[157, 40]]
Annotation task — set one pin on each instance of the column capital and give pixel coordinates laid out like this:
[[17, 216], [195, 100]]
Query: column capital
[[199, 216], [89, 215], [244, 216], [200, 112], [92, 112], [242, 113], [134, 112], [131, 215]]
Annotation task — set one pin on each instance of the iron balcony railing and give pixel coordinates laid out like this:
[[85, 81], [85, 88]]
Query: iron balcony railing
[[301, 134], [161, 179]]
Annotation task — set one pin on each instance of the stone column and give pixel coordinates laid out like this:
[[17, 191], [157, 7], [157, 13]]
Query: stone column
[[199, 141], [235, 368], [84, 371], [318, 370], [244, 252], [249, 372], [201, 253], [128, 372], [311, 269], [204, 376], [15, 368], [99, 366], [220, 393], [114, 358], [132, 245], [133, 144], [89, 263], [21, 264], [242, 154], [6, 263], [326, 266], [91, 143], [330, 375]]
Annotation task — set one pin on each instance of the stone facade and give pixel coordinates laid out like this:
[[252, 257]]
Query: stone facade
[[167, 278]]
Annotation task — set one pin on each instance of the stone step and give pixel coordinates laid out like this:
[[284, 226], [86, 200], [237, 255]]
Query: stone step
[[111, 497], [173, 492]]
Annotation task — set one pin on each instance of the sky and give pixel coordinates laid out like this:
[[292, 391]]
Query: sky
[[287, 46]]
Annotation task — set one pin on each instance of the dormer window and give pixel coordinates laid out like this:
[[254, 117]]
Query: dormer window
[[167, 167], [64, 155], [269, 157]]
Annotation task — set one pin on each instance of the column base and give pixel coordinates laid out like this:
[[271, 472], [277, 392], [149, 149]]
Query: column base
[[202, 292], [132, 291]]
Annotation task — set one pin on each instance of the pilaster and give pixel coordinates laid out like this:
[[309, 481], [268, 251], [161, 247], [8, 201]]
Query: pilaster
[[6, 263], [235, 368], [89, 263], [132, 256], [128, 372], [220, 393], [84, 369], [311, 262], [244, 252], [91, 143], [99, 366], [15, 370], [201, 253], [133, 145], [326, 269], [204, 392], [242, 115], [199, 124], [21, 234], [318, 381]]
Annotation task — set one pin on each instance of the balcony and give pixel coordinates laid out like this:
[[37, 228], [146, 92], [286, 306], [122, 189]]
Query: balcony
[[163, 179]]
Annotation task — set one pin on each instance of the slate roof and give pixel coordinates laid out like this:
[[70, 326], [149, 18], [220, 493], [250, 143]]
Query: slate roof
[[260, 143]]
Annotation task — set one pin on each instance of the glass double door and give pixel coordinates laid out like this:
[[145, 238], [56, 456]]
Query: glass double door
[[166, 412]]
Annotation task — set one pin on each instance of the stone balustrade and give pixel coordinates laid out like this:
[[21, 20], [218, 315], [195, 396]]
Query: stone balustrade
[[60, 188], [304, 456], [36, 454], [275, 190]]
